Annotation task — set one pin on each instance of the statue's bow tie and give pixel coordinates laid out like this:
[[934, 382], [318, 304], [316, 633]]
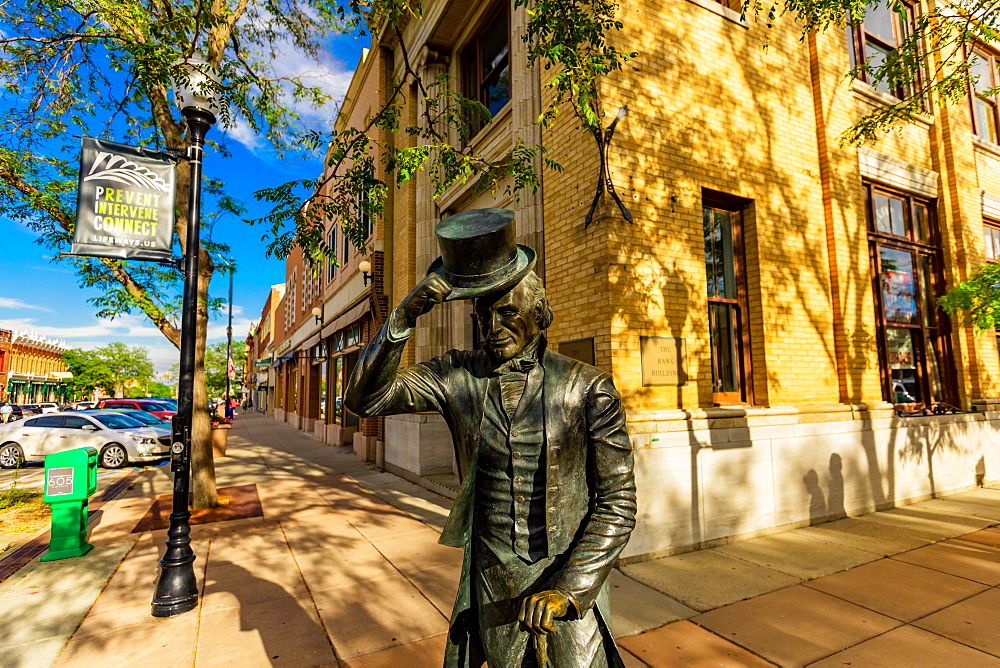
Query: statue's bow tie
[[523, 365]]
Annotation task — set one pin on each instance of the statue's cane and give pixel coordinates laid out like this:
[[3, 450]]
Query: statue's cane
[[542, 650]]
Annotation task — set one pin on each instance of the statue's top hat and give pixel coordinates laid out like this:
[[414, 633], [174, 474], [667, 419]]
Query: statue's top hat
[[479, 255]]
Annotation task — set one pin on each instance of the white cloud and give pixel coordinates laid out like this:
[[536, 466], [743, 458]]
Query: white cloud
[[163, 356], [324, 71], [129, 329], [123, 327], [241, 132], [8, 302], [241, 327]]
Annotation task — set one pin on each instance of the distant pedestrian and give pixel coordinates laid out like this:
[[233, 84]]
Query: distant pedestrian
[[5, 411]]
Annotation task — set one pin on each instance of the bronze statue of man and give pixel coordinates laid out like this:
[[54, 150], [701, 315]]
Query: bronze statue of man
[[547, 501]]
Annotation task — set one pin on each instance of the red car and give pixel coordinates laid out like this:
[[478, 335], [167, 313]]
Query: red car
[[159, 409]]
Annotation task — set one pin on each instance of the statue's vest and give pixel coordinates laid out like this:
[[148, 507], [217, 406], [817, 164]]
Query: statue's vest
[[510, 482]]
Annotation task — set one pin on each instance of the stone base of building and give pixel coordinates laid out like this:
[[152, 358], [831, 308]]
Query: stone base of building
[[708, 477], [421, 481], [420, 444], [334, 434], [364, 447]]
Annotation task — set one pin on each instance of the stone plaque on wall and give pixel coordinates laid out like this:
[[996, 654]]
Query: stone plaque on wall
[[581, 350], [664, 360]]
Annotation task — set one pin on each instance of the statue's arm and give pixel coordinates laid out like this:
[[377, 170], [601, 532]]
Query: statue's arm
[[379, 387], [612, 519]]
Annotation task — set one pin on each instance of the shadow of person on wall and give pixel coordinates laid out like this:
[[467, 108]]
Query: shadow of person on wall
[[291, 636], [817, 501], [835, 497]]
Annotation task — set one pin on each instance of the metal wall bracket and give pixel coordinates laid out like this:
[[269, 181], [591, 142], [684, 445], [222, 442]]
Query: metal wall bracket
[[604, 181]]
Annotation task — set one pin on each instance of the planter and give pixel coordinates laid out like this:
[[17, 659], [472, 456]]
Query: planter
[[220, 435]]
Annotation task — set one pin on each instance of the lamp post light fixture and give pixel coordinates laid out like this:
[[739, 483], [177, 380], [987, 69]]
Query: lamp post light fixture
[[366, 271], [318, 314], [177, 587]]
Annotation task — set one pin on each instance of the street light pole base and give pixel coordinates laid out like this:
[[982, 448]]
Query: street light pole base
[[177, 588], [163, 608]]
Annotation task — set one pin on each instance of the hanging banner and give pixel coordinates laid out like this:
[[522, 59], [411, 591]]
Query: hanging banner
[[125, 202]]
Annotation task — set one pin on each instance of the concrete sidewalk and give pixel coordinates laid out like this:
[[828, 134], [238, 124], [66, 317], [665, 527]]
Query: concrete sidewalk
[[344, 568]]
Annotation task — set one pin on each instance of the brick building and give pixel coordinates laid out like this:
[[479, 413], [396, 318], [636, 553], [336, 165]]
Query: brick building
[[6, 337], [32, 369], [768, 315], [330, 310], [260, 374]]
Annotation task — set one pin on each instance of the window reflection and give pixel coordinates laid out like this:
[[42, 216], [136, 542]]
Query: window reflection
[[898, 297]]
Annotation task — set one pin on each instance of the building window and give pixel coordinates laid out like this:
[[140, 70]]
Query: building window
[[906, 266], [290, 304], [985, 122], [486, 64], [883, 30], [991, 239], [331, 260], [347, 249], [728, 322], [364, 219]]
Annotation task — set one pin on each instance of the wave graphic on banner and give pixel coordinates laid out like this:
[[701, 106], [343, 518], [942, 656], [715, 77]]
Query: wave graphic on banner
[[120, 170]]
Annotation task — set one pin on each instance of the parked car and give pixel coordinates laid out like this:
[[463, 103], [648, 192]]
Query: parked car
[[118, 438], [84, 405], [49, 407], [148, 419], [28, 409], [170, 401], [157, 408], [16, 412]]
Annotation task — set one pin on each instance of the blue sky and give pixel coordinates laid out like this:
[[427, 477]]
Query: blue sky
[[42, 296]]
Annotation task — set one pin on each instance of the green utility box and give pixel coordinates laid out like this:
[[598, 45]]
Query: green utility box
[[70, 479]]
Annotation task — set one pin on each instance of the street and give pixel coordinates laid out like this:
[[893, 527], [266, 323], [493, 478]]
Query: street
[[32, 475]]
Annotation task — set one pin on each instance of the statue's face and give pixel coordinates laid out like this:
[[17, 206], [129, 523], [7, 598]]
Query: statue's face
[[508, 322]]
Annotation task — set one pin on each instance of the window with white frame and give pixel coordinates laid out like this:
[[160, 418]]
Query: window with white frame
[[886, 25], [331, 260], [985, 119]]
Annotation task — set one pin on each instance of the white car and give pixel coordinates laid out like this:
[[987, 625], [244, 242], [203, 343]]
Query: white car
[[118, 438], [49, 408]]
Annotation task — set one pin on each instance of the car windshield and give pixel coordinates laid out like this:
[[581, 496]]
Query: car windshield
[[117, 421], [153, 406], [143, 417]]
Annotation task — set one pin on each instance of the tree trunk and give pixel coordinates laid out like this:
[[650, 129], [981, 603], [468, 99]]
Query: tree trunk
[[202, 459]]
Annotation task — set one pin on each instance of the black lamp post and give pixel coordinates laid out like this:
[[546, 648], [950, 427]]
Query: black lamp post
[[229, 341], [177, 587]]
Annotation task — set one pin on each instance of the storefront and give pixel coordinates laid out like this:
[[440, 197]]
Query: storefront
[[344, 343]]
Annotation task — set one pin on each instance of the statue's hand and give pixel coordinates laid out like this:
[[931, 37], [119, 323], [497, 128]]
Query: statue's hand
[[538, 611], [422, 298]]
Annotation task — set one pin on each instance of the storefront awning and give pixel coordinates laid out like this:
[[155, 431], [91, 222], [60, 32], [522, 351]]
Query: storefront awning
[[284, 358], [347, 318], [307, 345]]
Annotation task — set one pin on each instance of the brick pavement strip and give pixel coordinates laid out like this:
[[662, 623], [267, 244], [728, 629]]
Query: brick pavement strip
[[344, 569]]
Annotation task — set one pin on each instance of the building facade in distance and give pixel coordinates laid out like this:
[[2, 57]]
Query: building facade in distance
[[33, 368], [259, 377]]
